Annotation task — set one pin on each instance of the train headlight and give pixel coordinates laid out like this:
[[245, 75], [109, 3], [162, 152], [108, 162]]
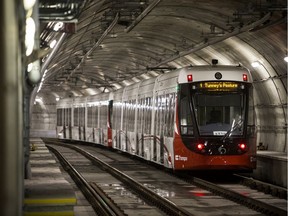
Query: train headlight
[[242, 146], [200, 146]]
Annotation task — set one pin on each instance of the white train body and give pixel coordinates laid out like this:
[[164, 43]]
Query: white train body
[[145, 119]]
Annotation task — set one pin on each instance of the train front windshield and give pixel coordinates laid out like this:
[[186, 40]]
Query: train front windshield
[[210, 110], [216, 114]]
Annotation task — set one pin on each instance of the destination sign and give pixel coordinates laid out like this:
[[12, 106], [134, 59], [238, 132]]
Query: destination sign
[[218, 86]]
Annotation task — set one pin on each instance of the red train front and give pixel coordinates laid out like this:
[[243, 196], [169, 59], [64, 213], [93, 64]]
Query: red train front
[[215, 120]]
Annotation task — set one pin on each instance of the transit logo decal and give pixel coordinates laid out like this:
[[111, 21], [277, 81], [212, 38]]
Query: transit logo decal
[[180, 158]]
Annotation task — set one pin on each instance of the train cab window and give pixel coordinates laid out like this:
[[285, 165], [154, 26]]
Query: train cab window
[[218, 113]]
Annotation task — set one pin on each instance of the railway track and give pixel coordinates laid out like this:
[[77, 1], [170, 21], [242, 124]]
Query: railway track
[[171, 205], [102, 203], [236, 196]]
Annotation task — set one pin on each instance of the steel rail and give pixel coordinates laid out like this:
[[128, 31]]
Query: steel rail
[[148, 195], [99, 201], [265, 187], [254, 204], [249, 202]]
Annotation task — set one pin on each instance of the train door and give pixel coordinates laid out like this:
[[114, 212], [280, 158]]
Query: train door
[[251, 129], [82, 135], [109, 123], [140, 126], [60, 123], [164, 128], [89, 128], [65, 125], [169, 124], [116, 124], [69, 123], [76, 128], [147, 121], [103, 123], [96, 129], [124, 134], [158, 128]]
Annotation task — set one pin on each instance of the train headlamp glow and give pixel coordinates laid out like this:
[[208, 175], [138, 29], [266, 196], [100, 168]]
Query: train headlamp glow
[[189, 78], [200, 146], [242, 146]]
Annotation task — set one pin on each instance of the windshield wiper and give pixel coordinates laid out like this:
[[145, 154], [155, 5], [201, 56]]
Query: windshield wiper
[[233, 127]]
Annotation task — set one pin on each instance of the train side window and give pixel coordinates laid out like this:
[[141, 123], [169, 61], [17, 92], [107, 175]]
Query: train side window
[[103, 116], [94, 116], [82, 116], [165, 114], [76, 114], [171, 114], [140, 116], [116, 117], [133, 117], [186, 117], [147, 114], [125, 116], [160, 114], [251, 118], [156, 116], [89, 116], [128, 119], [65, 117], [69, 116], [129, 115], [59, 117]]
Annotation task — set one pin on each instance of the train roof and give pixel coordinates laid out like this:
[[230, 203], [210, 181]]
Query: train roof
[[215, 73]]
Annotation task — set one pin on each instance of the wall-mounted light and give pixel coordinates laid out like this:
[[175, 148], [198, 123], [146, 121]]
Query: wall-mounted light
[[38, 100], [255, 64], [29, 35], [30, 67], [52, 44], [58, 26], [28, 4]]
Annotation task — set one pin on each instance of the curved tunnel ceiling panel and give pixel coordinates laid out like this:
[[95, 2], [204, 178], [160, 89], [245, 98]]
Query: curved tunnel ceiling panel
[[170, 28]]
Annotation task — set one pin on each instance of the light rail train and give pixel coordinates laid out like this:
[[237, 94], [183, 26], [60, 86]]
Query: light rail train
[[193, 118]]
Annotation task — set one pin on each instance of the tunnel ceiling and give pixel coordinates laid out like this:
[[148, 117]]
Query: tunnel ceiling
[[107, 45]]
